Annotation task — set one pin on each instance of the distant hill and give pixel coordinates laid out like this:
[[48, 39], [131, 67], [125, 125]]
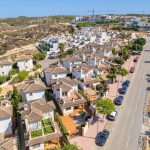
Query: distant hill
[[21, 31]]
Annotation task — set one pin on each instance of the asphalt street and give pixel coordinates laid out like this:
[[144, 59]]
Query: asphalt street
[[129, 123]]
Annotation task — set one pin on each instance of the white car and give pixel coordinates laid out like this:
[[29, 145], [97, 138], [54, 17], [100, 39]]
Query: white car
[[113, 116]]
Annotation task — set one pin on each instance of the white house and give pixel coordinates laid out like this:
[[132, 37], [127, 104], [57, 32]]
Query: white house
[[105, 51], [70, 61], [32, 90], [52, 43], [6, 118], [5, 67], [82, 71], [25, 63], [84, 53], [88, 83], [95, 60], [54, 73], [66, 95], [38, 116]]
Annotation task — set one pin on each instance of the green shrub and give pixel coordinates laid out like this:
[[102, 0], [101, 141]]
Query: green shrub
[[1, 90], [39, 56], [119, 60]]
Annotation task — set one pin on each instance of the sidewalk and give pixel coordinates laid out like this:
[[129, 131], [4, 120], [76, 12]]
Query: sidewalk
[[88, 142], [113, 87]]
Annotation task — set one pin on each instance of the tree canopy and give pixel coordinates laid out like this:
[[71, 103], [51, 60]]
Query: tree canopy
[[119, 60], [122, 71], [69, 147], [15, 99], [105, 106], [39, 56]]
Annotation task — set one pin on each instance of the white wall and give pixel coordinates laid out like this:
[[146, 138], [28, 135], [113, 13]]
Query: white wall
[[4, 70], [49, 114], [38, 147], [67, 112], [6, 126], [34, 96], [49, 76], [25, 65]]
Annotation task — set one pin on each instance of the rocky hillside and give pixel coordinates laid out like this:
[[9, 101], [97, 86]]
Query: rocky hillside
[[21, 31]]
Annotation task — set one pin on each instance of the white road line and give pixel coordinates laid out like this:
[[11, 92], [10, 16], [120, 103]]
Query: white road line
[[128, 141], [134, 113]]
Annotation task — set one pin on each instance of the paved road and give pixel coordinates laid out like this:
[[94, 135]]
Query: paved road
[[129, 124]]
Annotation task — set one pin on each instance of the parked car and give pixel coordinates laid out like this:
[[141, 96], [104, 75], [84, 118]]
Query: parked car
[[53, 55], [135, 59], [119, 100], [102, 137], [123, 90], [113, 116], [132, 69], [127, 83]]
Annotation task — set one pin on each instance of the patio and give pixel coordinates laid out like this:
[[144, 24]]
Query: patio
[[47, 128], [91, 94], [36, 133]]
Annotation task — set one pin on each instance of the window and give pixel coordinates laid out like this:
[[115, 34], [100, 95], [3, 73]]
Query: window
[[69, 108], [64, 93], [55, 75], [30, 94], [36, 146]]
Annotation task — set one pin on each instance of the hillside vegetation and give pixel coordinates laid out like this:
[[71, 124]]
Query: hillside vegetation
[[21, 31]]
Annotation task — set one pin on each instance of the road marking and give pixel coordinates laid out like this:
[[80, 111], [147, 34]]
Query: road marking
[[127, 141], [134, 113]]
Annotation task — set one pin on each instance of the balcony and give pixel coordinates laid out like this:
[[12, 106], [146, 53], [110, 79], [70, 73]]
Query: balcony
[[47, 128], [36, 133]]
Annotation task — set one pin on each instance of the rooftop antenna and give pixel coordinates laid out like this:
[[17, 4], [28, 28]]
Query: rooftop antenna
[[93, 12]]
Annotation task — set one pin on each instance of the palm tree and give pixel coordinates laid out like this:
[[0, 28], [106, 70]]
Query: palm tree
[[61, 46]]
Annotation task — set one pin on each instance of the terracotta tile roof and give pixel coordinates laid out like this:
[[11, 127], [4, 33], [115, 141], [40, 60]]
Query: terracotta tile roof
[[56, 70], [97, 57], [73, 58], [62, 86], [5, 62], [7, 144], [33, 117], [23, 58], [68, 81], [5, 110], [32, 86], [85, 68], [84, 50], [33, 112], [73, 103]]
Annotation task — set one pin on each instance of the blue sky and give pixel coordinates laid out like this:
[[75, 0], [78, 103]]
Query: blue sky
[[13, 8]]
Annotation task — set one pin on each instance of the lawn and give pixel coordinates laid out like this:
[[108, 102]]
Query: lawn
[[47, 126], [36, 133], [48, 130], [46, 122]]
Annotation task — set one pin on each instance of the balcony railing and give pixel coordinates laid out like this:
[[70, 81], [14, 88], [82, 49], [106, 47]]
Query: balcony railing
[[47, 128]]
